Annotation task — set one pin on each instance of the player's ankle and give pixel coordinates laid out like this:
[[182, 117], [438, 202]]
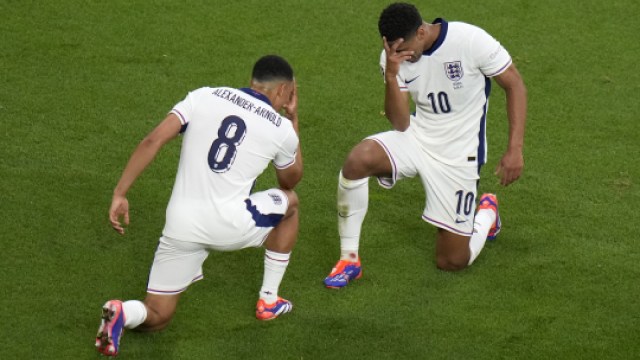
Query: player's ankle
[[268, 297], [349, 256]]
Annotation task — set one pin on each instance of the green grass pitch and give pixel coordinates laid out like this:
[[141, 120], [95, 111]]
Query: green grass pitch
[[81, 82]]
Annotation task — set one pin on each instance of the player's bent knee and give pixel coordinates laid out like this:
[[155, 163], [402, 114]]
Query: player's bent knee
[[447, 263], [292, 208], [293, 198], [363, 160]]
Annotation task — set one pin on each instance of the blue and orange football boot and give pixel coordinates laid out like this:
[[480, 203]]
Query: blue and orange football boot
[[111, 328], [271, 311], [490, 201], [344, 272]]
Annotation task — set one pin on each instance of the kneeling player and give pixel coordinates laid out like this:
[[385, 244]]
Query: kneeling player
[[230, 136]]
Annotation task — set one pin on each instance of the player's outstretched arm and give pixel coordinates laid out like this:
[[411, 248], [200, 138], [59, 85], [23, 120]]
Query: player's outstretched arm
[[511, 164], [146, 151]]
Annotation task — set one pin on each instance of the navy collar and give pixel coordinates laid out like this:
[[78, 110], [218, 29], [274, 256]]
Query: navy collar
[[256, 94], [444, 27]]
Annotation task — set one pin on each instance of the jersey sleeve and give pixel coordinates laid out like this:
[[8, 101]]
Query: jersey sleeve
[[184, 109], [490, 56], [383, 65], [287, 154]]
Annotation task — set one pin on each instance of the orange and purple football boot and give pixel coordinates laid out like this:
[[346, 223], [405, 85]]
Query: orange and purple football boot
[[111, 328], [266, 311], [490, 201], [344, 272]]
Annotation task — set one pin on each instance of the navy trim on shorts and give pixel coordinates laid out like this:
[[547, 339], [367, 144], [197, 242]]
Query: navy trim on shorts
[[263, 220]]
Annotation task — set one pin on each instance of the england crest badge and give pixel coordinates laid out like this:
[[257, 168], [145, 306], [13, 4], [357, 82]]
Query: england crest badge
[[453, 70]]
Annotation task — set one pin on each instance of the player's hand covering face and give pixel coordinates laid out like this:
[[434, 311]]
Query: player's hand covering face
[[291, 107], [395, 55]]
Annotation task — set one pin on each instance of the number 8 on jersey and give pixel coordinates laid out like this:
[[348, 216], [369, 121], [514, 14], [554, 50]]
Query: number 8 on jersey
[[223, 149]]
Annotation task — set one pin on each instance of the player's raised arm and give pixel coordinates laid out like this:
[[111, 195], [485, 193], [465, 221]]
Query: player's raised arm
[[511, 164], [143, 155], [288, 178], [396, 102]]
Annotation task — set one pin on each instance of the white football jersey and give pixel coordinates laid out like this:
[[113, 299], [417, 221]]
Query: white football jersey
[[450, 86], [230, 136]]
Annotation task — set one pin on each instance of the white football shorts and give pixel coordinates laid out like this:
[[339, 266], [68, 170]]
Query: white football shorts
[[178, 263], [450, 190]]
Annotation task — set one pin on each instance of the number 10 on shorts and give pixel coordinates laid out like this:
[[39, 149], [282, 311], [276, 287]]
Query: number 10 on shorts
[[465, 202]]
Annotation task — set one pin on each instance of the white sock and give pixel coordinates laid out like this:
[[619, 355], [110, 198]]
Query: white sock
[[135, 313], [353, 200], [275, 264], [481, 225]]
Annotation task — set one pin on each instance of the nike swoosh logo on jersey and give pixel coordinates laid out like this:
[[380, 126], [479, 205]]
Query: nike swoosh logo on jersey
[[412, 80], [460, 221]]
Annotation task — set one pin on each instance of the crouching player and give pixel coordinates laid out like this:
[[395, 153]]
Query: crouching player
[[229, 137]]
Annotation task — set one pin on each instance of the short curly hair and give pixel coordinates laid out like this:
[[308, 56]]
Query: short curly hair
[[272, 68], [399, 20]]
